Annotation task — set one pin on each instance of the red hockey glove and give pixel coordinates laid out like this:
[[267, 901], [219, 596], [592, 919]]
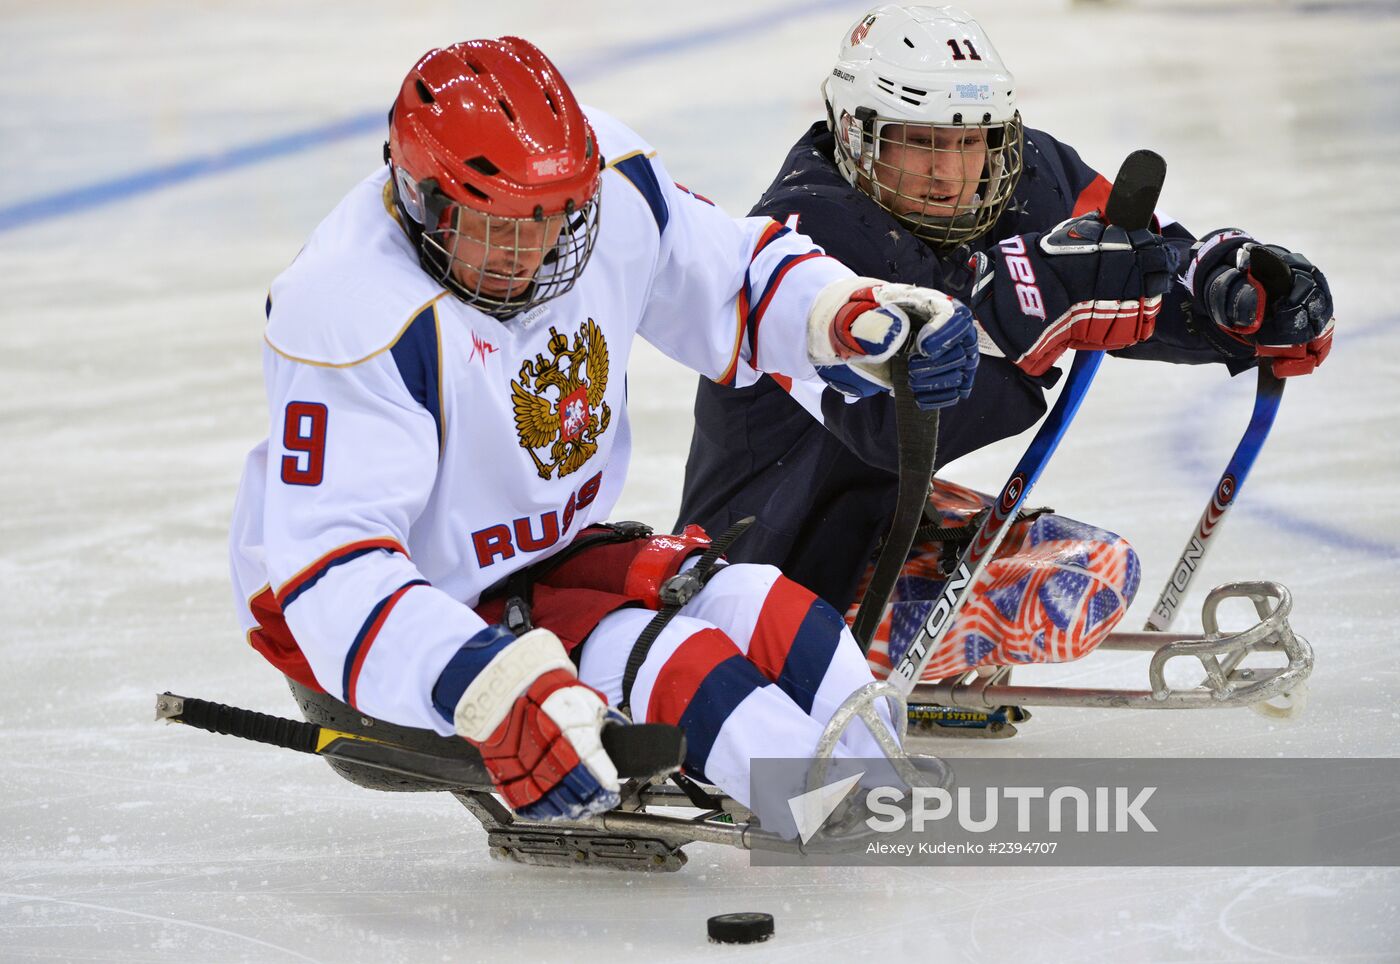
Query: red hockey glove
[[538, 728]]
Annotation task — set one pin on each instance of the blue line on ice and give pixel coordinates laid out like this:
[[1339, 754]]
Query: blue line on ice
[[126, 186], [1186, 455]]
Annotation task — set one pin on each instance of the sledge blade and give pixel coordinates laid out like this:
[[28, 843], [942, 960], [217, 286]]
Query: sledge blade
[[964, 722]]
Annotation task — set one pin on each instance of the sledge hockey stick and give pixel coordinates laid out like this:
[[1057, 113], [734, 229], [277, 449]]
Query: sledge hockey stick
[[1130, 205], [1276, 277], [641, 750], [917, 432]]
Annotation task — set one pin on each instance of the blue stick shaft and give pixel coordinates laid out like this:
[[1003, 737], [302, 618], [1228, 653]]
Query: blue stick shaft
[[1267, 397]]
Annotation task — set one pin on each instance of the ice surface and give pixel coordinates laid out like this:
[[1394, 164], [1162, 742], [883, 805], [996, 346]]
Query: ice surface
[[132, 388]]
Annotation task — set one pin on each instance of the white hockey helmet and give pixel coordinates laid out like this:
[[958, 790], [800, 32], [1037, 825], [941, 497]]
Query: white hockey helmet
[[913, 69]]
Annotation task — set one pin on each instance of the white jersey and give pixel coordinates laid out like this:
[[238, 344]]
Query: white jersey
[[421, 451]]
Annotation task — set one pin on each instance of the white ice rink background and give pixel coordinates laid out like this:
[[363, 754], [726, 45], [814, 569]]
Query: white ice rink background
[[162, 161]]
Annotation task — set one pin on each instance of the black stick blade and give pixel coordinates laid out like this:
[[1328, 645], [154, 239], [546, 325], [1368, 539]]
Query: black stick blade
[[1135, 190], [644, 750]]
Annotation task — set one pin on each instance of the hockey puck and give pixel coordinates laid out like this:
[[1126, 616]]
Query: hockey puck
[[746, 928]]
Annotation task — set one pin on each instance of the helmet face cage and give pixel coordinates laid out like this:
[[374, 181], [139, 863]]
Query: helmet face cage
[[504, 265], [947, 183]]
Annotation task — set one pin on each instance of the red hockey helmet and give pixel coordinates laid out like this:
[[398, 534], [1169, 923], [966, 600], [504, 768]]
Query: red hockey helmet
[[495, 173]]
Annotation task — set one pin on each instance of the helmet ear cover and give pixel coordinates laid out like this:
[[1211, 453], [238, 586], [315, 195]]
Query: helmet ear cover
[[436, 204], [865, 121]]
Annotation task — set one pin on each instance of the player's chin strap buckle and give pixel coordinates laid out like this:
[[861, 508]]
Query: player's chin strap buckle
[[863, 705]]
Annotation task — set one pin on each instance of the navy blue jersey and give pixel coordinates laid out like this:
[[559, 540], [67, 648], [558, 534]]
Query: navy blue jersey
[[823, 494]]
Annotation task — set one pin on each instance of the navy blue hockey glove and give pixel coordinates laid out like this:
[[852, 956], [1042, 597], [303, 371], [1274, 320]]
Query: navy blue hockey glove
[[944, 361], [1082, 284], [856, 325], [539, 730], [1295, 331]]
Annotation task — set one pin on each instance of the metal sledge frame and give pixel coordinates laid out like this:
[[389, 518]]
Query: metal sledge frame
[[1227, 682], [632, 838], [627, 838], [982, 702]]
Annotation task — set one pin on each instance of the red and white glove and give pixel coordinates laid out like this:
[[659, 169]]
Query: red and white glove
[[856, 326], [539, 731]]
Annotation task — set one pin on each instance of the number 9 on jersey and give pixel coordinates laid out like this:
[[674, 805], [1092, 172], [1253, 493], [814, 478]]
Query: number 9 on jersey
[[304, 432]]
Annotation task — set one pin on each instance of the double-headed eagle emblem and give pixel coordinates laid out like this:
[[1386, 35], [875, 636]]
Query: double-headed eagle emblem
[[564, 408]]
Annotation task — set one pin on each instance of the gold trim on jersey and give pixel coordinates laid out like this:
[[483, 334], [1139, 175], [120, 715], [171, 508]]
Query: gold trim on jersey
[[630, 154], [731, 371], [570, 420], [387, 543], [377, 352], [612, 166], [387, 196], [441, 380], [248, 605]]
